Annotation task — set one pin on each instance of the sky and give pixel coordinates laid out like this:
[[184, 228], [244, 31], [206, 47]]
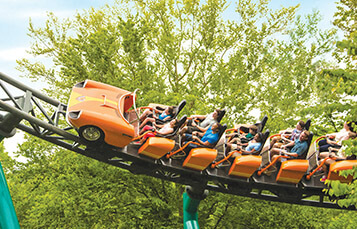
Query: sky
[[14, 21]]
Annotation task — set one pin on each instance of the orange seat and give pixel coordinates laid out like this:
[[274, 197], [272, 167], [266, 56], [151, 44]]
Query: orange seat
[[156, 147], [338, 166], [292, 171], [245, 166], [200, 158]]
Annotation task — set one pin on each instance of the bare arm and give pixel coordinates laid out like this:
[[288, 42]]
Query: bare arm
[[196, 133], [206, 143], [202, 129], [158, 125], [199, 116], [288, 140], [166, 131], [246, 151], [230, 135], [291, 143], [290, 154], [242, 144], [167, 118], [332, 142]]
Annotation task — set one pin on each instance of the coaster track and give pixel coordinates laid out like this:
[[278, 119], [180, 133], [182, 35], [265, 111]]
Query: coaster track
[[44, 117]]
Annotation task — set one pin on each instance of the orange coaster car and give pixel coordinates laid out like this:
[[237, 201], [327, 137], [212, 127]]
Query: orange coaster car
[[292, 171], [338, 166], [245, 166], [200, 158], [98, 112]]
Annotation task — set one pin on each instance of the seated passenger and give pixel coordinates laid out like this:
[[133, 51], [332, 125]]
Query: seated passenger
[[299, 146], [164, 115], [240, 138], [165, 129], [207, 121], [334, 139], [337, 155], [149, 112], [287, 136], [208, 139], [247, 148], [336, 147]]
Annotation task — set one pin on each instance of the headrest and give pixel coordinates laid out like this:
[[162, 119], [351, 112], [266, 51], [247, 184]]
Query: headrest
[[179, 108], [221, 115], [307, 124]]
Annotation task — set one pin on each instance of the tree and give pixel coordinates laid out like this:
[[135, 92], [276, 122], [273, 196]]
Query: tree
[[180, 49], [67, 190], [340, 89], [187, 50]]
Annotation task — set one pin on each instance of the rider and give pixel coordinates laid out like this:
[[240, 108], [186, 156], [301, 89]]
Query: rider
[[250, 147], [299, 147], [208, 139], [285, 137], [207, 121], [164, 115]]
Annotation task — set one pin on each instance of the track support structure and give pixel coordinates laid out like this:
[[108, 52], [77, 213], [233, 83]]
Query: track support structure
[[8, 217], [191, 200]]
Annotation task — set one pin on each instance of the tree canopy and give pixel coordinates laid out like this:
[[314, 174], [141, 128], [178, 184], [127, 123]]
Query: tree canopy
[[274, 61]]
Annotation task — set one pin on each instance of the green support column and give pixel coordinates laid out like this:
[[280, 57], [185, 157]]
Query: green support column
[[8, 123], [191, 199], [8, 218]]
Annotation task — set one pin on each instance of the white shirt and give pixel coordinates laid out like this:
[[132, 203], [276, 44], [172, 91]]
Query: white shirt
[[209, 120]]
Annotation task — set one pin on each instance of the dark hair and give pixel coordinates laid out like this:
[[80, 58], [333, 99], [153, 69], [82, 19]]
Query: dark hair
[[302, 124], [170, 110], [176, 124], [219, 126], [349, 124], [352, 135], [260, 137], [219, 112]]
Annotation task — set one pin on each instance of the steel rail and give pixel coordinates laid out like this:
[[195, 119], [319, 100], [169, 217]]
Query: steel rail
[[32, 119], [24, 87]]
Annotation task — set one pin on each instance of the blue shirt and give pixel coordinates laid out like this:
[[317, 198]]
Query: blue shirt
[[210, 137], [299, 147], [209, 130], [163, 115], [255, 145]]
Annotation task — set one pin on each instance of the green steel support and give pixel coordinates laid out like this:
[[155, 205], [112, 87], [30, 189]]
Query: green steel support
[[8, 123], [190, 215], [191, 199], [8, 218]]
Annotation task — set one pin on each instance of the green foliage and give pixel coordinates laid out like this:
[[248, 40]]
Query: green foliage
[[186, 50], [267, 59], [338, 89], [338, 85], [338, 189], [67, 190]]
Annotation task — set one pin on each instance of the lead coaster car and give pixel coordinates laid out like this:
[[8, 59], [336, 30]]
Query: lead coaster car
[[98, 112]]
